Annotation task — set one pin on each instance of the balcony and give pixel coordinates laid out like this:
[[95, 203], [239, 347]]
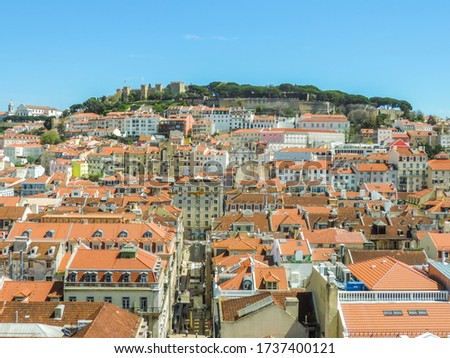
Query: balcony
[[151, 286], [147, 310], [392, 296]]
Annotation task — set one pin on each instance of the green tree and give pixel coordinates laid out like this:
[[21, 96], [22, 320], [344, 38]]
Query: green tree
[[75, 108], [31, 159], [93, 105], [95, 177], [48, 123], [51, 137], [45, 159], [381, 119], [433, 150], [288, 112], [432, 120], [62, 130], [361, 119]]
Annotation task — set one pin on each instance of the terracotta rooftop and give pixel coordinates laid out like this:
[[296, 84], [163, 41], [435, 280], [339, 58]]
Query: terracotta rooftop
[[30, 291], [372, 167], [230, 307], [439, 164], [11, 212], [322, 254], [333, 236], [290, 246], [411, 258], [372, 320], [108, 320], [441, 241], [386, 273], [85, 259]]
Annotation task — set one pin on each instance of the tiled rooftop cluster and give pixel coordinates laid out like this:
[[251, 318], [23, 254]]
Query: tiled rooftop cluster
[[304, 234]]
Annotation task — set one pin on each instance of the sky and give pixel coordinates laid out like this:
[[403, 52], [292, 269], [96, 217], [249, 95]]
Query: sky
[[59, 53]]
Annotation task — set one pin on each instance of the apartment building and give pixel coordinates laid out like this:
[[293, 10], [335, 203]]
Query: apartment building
[[201, 199]]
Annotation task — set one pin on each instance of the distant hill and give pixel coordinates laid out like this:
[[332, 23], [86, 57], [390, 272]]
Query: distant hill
[[217, 90]]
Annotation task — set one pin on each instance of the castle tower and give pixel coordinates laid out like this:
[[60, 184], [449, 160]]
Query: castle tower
[[10, 108], [144, 92], [126, 91]]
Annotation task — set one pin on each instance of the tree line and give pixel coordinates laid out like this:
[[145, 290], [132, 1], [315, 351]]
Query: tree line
[[105, 104]]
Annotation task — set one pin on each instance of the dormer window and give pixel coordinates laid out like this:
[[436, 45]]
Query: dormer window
[[98, 233], [49, 234], [51, 251], [148, 234], [123, 233], [26, 233], [90, 277], [271, 285], [126, 277], [143, 277], [73, 276], [108, 277]]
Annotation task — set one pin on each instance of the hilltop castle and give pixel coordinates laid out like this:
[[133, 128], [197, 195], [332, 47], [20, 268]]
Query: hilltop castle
[[142, 93]]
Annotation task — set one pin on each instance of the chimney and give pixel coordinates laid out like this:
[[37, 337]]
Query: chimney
[[21, 266], [331, 277], [333, 258], [341, 252], [291, 306], [11, 271]]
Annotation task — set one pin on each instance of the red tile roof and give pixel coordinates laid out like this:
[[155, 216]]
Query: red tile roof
[[108, 320], [333, 236], [368, 320], [386, 273], [30, 291], [230, 307]]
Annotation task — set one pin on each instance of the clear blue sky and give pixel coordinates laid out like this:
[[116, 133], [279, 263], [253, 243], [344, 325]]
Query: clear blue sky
[[62, 52]]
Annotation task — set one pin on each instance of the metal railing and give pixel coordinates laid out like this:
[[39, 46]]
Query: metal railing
[[152, 286], [392, 296]]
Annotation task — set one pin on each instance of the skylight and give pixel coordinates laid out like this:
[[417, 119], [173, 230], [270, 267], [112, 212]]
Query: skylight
[[417, 312], [393, 313]]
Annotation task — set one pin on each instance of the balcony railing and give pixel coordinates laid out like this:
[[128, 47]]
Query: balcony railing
[[392, 296], [149, 310], [152, 286]]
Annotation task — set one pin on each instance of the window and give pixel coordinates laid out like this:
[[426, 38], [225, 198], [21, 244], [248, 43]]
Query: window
[[271, 285], [393, 313], [126, 303], [123, 233], [107, 277], [90, 277], [126, 277], [418, 312], [160, 248], [98, 233], [90, 299], [143, 277], [148, 234], [73, 277], [49, 234], [143, 304], [72, 299], [26, 233]]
